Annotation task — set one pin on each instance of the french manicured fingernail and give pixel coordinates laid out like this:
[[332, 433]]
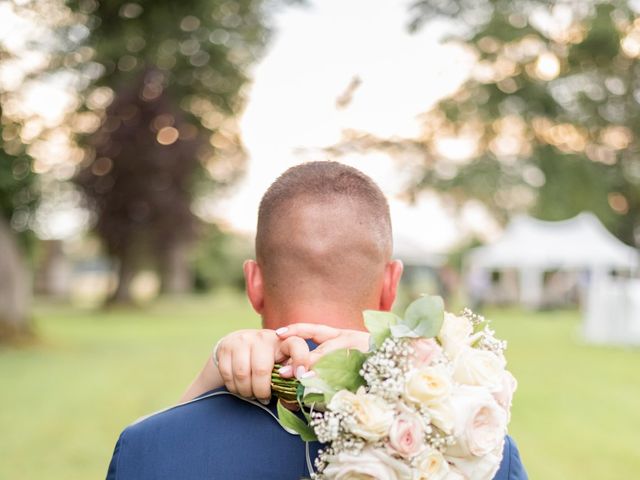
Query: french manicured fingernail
[[286, 370], [300, 371], [309, 374], [264, 401], [281, 330]]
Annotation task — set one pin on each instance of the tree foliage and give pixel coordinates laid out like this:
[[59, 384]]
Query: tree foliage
[[18, 194], [550, 111], [18, 197], [169, 88]]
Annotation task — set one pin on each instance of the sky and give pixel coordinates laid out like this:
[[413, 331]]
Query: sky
[[291, 113]]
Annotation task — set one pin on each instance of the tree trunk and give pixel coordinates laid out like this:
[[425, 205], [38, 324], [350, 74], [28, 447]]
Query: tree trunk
[[175, 274], [15, 294], [127, 269], [52, 275]]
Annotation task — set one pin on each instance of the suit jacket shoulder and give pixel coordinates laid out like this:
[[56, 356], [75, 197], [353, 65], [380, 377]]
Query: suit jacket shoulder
[[511, 467], [217, 436], [220, 436]]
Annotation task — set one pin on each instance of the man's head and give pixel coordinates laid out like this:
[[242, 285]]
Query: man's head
[[323, 245]]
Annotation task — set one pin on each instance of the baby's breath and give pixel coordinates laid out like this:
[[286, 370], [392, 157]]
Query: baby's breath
[[385, 370], [489, 342], [474, 318], [385, 373]]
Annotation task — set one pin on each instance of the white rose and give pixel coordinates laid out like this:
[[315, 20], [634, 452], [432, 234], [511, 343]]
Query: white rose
[[504, 396], [455, 333], [371, 417], [480, 423], [427, 385], [431, 465], [442, 414], [479, 468], [454, 474], [369, 464], [479, 367]]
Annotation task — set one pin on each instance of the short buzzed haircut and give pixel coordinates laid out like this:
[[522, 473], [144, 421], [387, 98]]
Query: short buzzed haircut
[[323, 227]]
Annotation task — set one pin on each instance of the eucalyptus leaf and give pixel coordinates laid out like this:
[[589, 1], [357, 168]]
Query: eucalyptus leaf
[[402, 330], [423, 318], [340, 369], [379, 325], [291, 421]]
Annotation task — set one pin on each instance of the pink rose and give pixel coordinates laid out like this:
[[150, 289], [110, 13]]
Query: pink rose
[[425, 351], [406, 435], [504, 396]]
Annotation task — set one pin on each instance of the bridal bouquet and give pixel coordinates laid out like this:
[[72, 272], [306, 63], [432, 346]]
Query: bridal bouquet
[[430, 400]]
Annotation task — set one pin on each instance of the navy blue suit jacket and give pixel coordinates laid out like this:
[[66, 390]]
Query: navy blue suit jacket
[[222, 437]]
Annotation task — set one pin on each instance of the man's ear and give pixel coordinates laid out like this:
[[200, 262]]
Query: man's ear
[[255, 286], [392, 274]]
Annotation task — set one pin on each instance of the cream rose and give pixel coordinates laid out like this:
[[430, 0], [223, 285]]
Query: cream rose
[[431, 465], [480, 423], [455, 334], [370, 464], [504, 396], [454, 474], [371, 416], [427, 385], [479, 367], [425, 351], [442, 414], [479, 468], [406, 435]]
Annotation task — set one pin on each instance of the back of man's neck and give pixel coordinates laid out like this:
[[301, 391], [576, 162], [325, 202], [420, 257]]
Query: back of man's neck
[[351, 320]]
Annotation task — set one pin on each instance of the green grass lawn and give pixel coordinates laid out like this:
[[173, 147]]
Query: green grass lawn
[[64, 399]]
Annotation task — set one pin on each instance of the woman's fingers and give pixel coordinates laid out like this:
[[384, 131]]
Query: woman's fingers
[[310, 331], [262, 361], [297, 350], [241, 365], [327, 347], [347, 339], [225, 367]]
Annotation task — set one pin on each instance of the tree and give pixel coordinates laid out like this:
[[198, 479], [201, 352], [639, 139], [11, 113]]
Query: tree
[[17, 197], [169, 88], [549, 112], [24, 55]]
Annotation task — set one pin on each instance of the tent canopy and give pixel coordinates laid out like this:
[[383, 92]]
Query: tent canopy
[[581, 242], [413, 253]]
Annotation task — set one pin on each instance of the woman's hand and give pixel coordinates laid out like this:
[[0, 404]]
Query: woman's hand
[[327, 338], [245, 359], [244, 362]]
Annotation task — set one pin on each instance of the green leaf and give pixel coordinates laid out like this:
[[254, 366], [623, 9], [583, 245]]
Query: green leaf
[[317, 388], [314, 399], [423, 318], [402, 330], [340, 370], [379, 325], [291, 421]]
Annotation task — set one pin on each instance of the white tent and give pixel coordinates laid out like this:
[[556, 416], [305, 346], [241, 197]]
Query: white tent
[[532, 246], [581, 244], [414, 253], [612, 312]]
